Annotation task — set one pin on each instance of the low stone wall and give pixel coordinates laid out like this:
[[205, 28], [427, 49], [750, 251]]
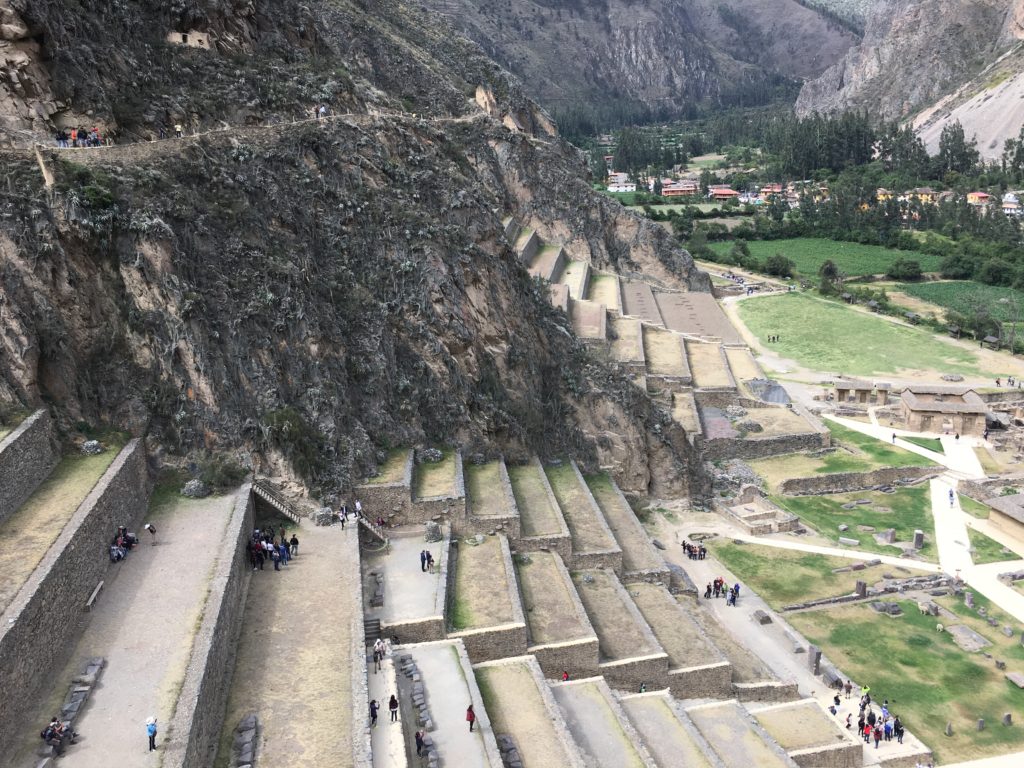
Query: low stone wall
[[529, 249], [709, 681], [509, 524], [629, 674], [845, 482], [379, 499], [580, 658], [830, 756], [759, 448], [560, 544], [199, 713], [766, 691], [451, 508], [609, 558], [45, 614], [924, 757], [492, 643], [27, 456]]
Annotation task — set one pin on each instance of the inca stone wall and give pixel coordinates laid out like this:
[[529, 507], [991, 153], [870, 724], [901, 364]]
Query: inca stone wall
[[709, 681], [27, 456], [43, 617], [845, 482], [737, 448]]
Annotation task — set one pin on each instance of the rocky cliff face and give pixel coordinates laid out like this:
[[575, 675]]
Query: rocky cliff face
[[913, 53], [310, 293], [659, 54]]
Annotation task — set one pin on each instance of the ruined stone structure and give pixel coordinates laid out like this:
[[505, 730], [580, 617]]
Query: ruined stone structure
[[943, 409]]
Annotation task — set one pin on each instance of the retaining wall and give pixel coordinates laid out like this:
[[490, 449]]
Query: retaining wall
[[845, 482], [27, 457], [738, 448], [451, 507], [199, 713], [766, 691], [580, 658], [629, 674], [709, 681], [830, 756], [44, 616], [380, 498], [508, 524], [529, 249]]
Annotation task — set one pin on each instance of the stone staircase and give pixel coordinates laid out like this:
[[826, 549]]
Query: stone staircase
[[267, 493], [373, 531]]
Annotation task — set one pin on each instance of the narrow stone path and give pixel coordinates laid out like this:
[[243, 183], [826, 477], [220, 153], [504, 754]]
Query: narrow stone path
[[951, 538], [387, 739], [293, 667], [144, 625]]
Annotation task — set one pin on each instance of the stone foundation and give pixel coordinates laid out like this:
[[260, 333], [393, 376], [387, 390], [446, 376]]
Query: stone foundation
[[43, 618], [846, 482], [577, 657], [27, 456], [738, 448], [831, 756], [629, 674], [710, 681], [493, 643], [766, 691]]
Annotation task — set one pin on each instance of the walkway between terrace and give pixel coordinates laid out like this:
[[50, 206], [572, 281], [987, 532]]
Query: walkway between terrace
[[144, 625]]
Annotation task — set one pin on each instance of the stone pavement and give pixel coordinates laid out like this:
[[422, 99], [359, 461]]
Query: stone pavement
[[145, 628], [387, 739], [409, 593]]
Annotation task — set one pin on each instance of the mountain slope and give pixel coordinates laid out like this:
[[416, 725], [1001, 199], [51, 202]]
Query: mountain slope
[[308, 294], [662, 55]]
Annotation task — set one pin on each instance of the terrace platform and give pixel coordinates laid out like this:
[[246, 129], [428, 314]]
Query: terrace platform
[[627, 343], [697, 314], [438, 489], [604, 289], [640, 560], [599, 726], [736, 738], [697, 669], [560, 634], [684, 411], [575, 275], [710, 366], [630, 655], [520, 704], [490, 503], [589, 320], [638, 301], [810, 735], [593, 545], [743, 365], [388, 494], [670, 737], [547, 262], [540, 519], [665, 355], [486, 613]]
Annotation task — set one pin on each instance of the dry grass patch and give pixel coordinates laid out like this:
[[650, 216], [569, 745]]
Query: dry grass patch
[[800, 727], [627, 346], [778, 421], [709, 369], [550, 611], [638, 553], [32, 529], [485, 490], [727, 729], [481, 586], [588, 534], [664, 353], [392, 470], [604, 289], [435, 479], [678, 635], [618, 634], [744, 366], [684, 411], [538, 516]]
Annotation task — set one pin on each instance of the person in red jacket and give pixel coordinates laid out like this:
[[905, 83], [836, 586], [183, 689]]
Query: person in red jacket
[[470, 717]]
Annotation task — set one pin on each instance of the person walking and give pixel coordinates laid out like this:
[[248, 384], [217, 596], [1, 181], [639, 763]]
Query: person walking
[[151, 732], [897, 729], [423, 560], [470, 717], [951, 497], [393, 706], [359, 509], [374, 706], [276, 557], [419, 743], [848, 688], [295, 544]]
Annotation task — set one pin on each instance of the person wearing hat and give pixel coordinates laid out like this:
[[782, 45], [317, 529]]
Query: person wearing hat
[[151, 732]]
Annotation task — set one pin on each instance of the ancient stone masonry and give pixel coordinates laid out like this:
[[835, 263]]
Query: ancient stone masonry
[[27, 455], [44, 615], [845, 482]]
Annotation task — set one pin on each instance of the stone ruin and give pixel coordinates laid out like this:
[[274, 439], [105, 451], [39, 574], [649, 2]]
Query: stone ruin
[[432, 531]]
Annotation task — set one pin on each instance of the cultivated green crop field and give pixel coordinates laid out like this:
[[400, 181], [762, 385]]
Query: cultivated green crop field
[[854, 259], [961, 295], [832, 337]]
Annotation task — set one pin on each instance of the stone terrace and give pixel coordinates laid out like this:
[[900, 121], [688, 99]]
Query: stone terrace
[[744, 366], [414, 601], [697, 314], [665, 354], [547, 263], [604, 289], [433, 480], [593, 544], [639, 557], [811, 735], [519, 704], [560, 634], [735, 738], [393, 468], [575, 275], [589, 320], [630, 654], [627, 345], [638, 301], [540, 519], [710, 368], [697, 668], [684, 411], [486, 600], [489, 497], [599, 726], [670, 737]]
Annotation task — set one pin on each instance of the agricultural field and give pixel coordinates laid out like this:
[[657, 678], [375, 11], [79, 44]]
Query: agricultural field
[[854, 259], [833, 337], [964, 295]]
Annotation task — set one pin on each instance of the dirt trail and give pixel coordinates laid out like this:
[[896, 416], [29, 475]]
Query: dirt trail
[[293, 668]]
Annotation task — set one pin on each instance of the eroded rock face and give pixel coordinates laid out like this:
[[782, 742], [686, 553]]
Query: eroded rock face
[[913, 53], [27, 103]]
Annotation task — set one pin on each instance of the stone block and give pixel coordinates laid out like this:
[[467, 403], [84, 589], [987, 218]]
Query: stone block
[[1007, 718], [949, 729], [918, 539], [1000, 664], [844, 527], [862, 589], [1008, 631], [981, 724], [814, 659], [849, 542], [761, 617], [248, 723]]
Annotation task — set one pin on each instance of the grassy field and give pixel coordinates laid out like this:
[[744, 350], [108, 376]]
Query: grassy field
[[930, 443], [926, 677], [975, 508], [854, 259], [905, 510], [961, 295], [986, 550], [669, 207], [856, 452], [783, 576], [829, 336]]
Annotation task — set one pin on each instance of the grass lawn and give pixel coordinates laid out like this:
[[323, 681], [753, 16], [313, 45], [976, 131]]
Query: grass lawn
[[856, 452], [925, 676], [975, 508], [931, 443], [435, 479], [986, 550], [783, 576], [961, 295], [854, 259], [905, 510], [829, 336]]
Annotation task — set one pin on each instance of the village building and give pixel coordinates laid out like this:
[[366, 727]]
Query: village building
[[883, 195], [1011, 204], [1008, 513], [979, 199], [958, 410], [685, 188], [860, 392], [923, 195], [722, 192], [768, 191]]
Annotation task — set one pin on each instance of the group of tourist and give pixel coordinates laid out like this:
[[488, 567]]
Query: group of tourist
[[78, 137], [58, 734], [122, 543], [695, 551], [880, 727], [1010, 380], [356, 511], [718, 588], [426, 561], [265, 545]]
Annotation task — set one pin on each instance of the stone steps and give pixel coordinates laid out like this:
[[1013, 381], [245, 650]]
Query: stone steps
[[669, 735], [576, 275], [589, 320], [599, 726], [521, 707], [736, 738]]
